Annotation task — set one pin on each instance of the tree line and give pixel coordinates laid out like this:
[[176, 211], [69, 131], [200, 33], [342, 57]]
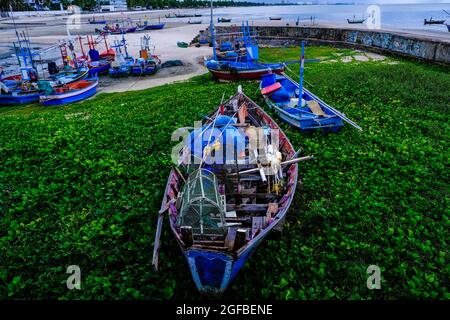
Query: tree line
[[87, 5]]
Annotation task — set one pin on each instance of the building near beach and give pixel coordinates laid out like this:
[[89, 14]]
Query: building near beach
[[42, 5], [113, 5]]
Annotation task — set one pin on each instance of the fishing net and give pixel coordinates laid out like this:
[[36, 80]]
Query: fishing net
[[202, 207]]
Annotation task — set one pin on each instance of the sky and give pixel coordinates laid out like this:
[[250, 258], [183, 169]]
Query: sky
[[373, 1]]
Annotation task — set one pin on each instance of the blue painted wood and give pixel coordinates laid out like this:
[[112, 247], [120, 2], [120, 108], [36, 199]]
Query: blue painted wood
[[300, 117], [155, 26], [69, 97], [18, 98]]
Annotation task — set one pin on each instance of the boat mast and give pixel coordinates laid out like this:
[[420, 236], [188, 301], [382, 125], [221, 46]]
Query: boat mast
[[213, 40], [302, 71]]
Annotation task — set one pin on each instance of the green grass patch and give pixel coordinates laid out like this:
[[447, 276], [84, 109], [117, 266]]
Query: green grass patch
[[82, 185]]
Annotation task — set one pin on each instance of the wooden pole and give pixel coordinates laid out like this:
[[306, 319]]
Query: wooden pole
[[156, 245]]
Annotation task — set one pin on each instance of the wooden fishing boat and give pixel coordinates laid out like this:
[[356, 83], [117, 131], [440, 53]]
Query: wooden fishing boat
[[98, 67], [121, 66], [68, 76], [282, 94], [147, 63], [230, 70], [143, 66], [432, 21], [20, 88], [17, 95], [156, 26], [69, 93], [220, 210]]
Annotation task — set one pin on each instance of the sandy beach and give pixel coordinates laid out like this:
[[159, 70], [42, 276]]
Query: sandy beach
[[47, 31]]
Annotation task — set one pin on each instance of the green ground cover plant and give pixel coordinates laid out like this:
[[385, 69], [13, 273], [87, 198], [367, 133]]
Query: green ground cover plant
[[82, 184]]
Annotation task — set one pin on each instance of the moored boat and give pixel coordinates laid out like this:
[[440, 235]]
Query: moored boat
[[243, 64], [224, 205], [229, 70], [69, 93], [17, 95], [274, 18], [432, 21], [356, 21], [448, 27]]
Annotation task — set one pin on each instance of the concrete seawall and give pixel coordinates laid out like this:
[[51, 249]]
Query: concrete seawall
[[415, 46]]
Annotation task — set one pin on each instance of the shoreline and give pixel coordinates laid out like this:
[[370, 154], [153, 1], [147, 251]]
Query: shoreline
[[46, 31]]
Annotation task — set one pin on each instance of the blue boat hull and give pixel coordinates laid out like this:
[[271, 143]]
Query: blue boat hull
[[303, 117], [155, 26], [99, 70], [137, 71], [76, 96], [212, 271], [8, 99]]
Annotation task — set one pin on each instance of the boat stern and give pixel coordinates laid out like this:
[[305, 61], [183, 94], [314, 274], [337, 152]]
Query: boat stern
[[211, 271]]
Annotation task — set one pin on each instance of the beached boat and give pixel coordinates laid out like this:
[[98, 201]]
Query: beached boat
[[147, 63], [20, 88], [121, 66], [68, 75], [145, 66], [224, 205], [156, 26], [94, 21], [281, 94], [230, 70], [69, 93], [432, 21], [229, 52], [92, 59], [182, 44], [219, 20], [298, 106], [234, 69], [17, 94]]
